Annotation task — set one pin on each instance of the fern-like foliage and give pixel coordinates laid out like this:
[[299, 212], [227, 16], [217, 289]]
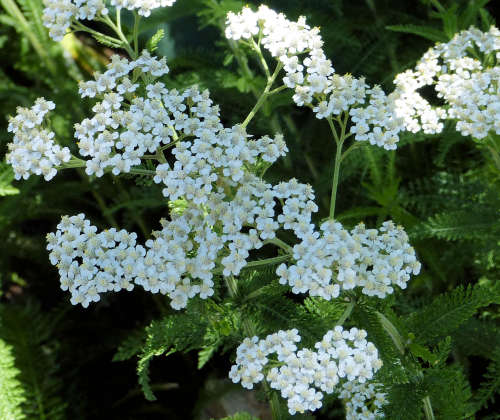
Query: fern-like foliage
[[448, 384], [491, 383], [33, 350], [448, 311], [174, 333], [477, 338], [461, 224], [12, 394], [6, 178], [405, 402]]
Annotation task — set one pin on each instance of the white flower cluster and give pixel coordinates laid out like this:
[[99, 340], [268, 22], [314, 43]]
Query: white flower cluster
[[220, 156], [33, 150], [304, 375], [468, 86], [299, 50], [92, 263], [375, 260], [363, 401], [182, 258], [127, 125], [143, 7], [228, 211], [59, 14]]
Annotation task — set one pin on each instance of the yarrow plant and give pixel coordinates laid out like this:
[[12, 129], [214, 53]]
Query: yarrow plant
[[222, 210], [33, 150], [340, 356], [464, 73]]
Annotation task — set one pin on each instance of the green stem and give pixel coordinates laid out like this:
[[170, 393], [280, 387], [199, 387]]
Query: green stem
[[260, 263], [335, 182], [333, 129], [429, 412], [351, 148], [339, 140], [277, 90], [280, 243], [264, 95], [347, 313], [267, 261], [243, 64], [393, 332], [160, 156], [118, 30], [262, 60], [140, 171], [74, 162], [137, 19], [78, 26]]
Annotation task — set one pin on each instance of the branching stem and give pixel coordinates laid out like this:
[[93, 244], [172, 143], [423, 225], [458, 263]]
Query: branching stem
[[265, 94], [339, 140]]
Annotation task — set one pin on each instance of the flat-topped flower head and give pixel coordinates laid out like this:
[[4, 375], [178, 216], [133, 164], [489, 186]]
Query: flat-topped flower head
[[466, 81], [34, 150], [363, 401], [143, 7], [58, 15], [299, 50], [305, 375], [374, 260]]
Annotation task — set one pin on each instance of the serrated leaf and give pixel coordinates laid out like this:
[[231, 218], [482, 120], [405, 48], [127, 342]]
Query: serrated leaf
[[152, 44], [12, 394], [228, 59], [102, 39], [423, 352], [490, 385], [448, 311], [206, 353]]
